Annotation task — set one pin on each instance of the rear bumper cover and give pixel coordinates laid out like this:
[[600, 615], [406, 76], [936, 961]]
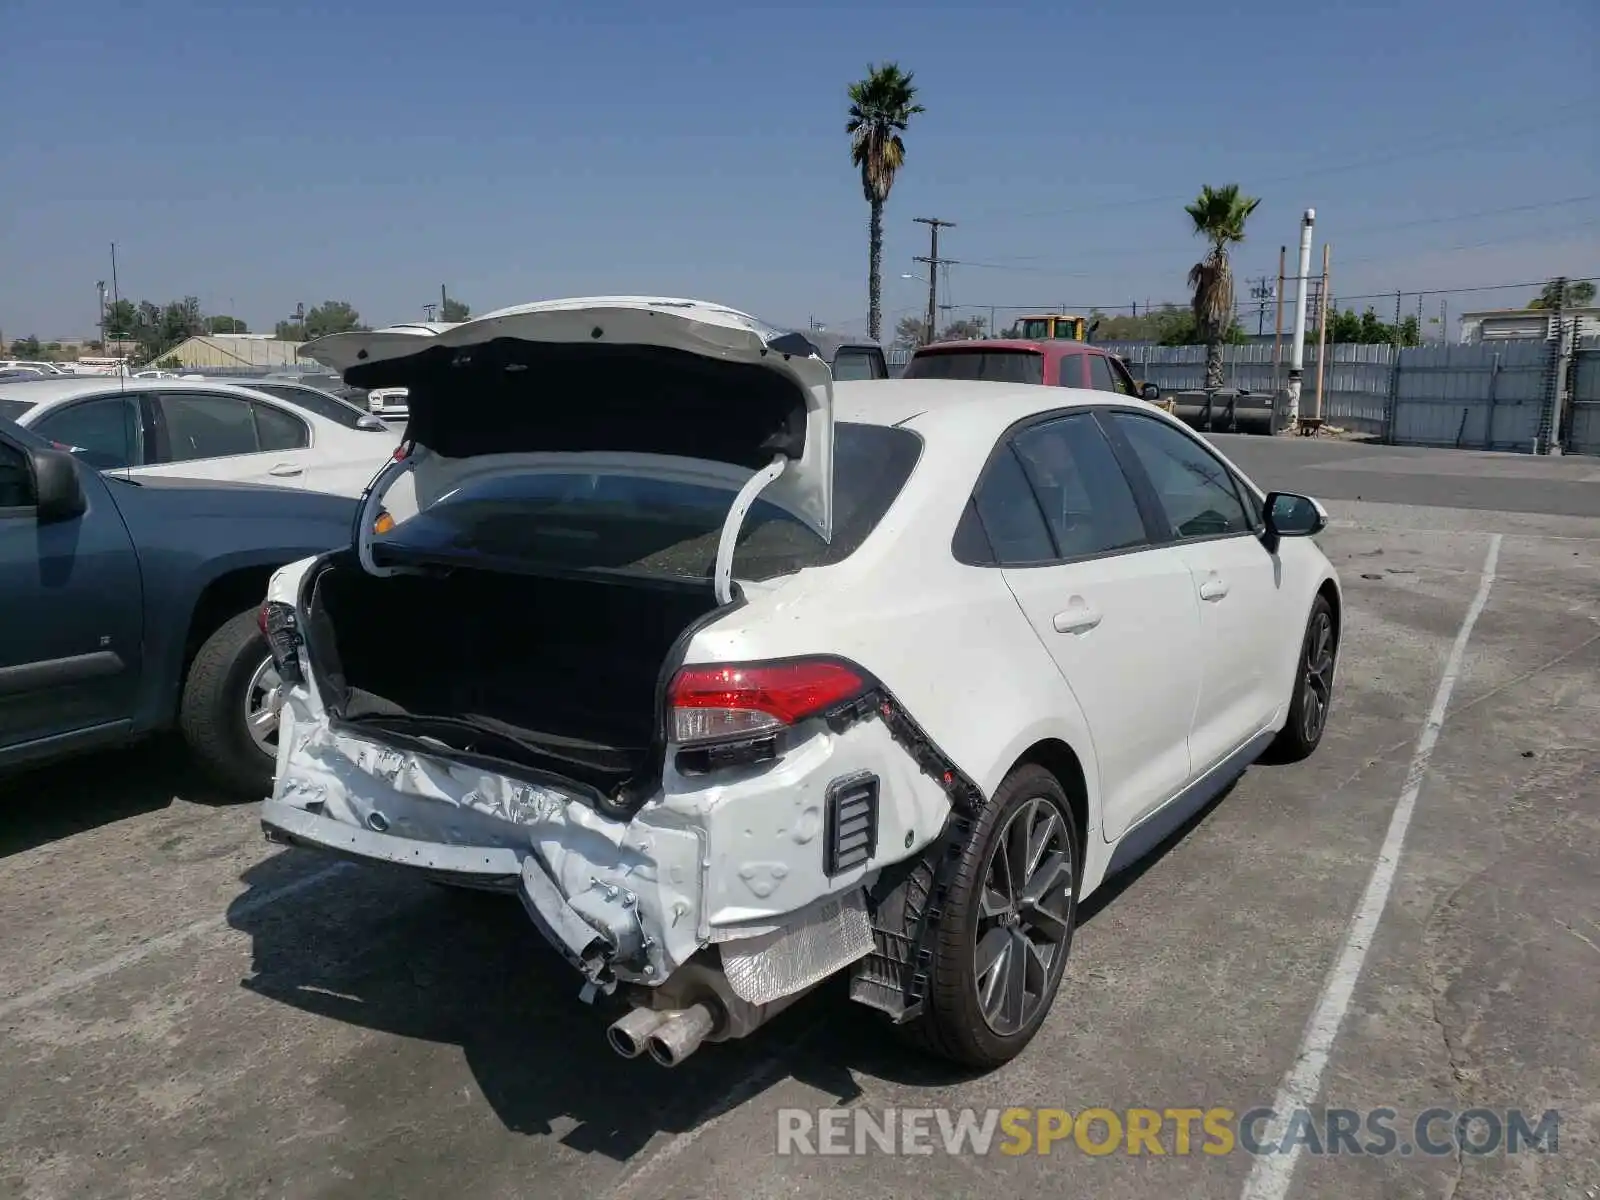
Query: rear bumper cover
[[493, 868]]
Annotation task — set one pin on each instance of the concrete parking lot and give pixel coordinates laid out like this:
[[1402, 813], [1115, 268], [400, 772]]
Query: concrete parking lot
[[186, 1011]]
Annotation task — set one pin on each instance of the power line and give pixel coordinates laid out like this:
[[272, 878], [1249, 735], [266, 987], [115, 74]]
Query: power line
[[1388, 295], [1411, 154], [1146, 252], [1013, 261]]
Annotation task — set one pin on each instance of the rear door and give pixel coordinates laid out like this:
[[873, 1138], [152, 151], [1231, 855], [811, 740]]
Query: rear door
[[1116, 612], [1215, 532], [217, 435], [71, 640]]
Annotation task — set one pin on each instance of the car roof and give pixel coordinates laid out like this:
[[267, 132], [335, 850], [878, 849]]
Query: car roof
[[1049, 347], [829, 344], [48, 391], [973, 408]]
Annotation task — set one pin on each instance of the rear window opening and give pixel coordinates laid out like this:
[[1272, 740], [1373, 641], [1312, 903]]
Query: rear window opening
[[651, 527], [994, 366], [12, 409]]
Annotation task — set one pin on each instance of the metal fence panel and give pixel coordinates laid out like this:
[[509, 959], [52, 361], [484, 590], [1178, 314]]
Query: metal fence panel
[[1584, 430], [1355, 385], [1486, 397]]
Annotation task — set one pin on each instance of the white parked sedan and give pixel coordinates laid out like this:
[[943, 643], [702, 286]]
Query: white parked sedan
[[740, 678], [202, 429]]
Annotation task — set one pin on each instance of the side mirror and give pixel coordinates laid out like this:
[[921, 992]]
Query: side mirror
[[1289, 514], [371, 423], [58, 488], [1150, 392]]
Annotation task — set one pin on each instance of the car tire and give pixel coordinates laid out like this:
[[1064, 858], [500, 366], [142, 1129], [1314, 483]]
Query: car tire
[[213, 711], [970, 1016], [1313, 687]]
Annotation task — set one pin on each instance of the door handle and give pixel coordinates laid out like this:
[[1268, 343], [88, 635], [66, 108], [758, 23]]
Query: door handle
[[1079, 618], [1213, 589], [286, 469]]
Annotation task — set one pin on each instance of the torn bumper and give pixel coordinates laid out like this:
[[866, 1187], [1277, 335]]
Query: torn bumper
[[621, 901]]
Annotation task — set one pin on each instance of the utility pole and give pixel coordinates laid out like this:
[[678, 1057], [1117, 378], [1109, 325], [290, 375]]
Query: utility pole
[[1322, 337], [1277, 339], [115, 295], [934, 262], [104, 339], [443, 301], [1297, 349]]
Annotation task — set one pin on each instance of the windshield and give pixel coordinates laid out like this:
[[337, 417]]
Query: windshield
[[1000, 366], [584, 521], [12, 409]]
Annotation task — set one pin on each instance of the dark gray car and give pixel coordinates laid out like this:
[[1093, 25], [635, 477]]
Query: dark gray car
[[132, 607], [849, 356]]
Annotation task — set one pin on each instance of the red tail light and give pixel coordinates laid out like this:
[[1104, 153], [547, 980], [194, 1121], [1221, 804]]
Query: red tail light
[[743, 699]]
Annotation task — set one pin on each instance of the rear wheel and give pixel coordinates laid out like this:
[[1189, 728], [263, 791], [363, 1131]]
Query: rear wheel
[[1008, 924], [229, 713], [1313, 687]]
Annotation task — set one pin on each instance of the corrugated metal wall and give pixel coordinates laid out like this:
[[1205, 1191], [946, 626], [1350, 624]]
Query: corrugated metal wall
[[1584, 437], [1484, 397]]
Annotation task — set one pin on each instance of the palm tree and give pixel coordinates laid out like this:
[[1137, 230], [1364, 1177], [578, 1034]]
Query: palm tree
[[881, 106], [1219, 215]]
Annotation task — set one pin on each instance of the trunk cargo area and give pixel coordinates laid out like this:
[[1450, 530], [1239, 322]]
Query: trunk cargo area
[[571, 665]]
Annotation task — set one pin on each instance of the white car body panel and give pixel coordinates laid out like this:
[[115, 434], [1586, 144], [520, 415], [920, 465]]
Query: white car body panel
[[336, 460], [972, 653]]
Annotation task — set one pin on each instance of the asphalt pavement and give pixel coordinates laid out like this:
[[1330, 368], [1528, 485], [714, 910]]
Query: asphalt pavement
[[186, 1011]]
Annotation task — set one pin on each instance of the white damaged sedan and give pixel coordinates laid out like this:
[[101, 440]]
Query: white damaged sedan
[[741, 679]]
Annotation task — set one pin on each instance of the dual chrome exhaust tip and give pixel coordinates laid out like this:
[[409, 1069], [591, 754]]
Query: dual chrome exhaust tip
[[668, 1035]]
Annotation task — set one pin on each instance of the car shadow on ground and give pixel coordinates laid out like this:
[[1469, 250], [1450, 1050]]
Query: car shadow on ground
[[383, 951], [43, 804]]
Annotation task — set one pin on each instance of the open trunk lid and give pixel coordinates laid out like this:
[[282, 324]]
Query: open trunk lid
[[663, 388]]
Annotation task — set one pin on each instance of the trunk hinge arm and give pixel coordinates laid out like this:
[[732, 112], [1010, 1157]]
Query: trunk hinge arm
[[734, 521], [371, 504]]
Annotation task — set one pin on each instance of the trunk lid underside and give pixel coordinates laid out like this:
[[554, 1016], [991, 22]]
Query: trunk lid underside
[[621, 375]]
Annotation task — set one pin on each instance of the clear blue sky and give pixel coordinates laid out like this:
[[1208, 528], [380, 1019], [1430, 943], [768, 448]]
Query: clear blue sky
[[258, 156]]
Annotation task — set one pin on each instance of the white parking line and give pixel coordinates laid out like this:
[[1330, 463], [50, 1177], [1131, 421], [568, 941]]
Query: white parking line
[[1271, 1174], [62, 985]]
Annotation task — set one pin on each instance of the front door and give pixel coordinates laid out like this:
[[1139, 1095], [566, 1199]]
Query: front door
[[71, 642]]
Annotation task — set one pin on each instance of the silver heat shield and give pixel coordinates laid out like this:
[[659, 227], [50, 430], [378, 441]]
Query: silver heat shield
[[823, 938]]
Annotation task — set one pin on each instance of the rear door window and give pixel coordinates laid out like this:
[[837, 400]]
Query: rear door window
[[198, 425], [279, 430], [1088, 503], [997, 366], [1008, 514], [106, 433]]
